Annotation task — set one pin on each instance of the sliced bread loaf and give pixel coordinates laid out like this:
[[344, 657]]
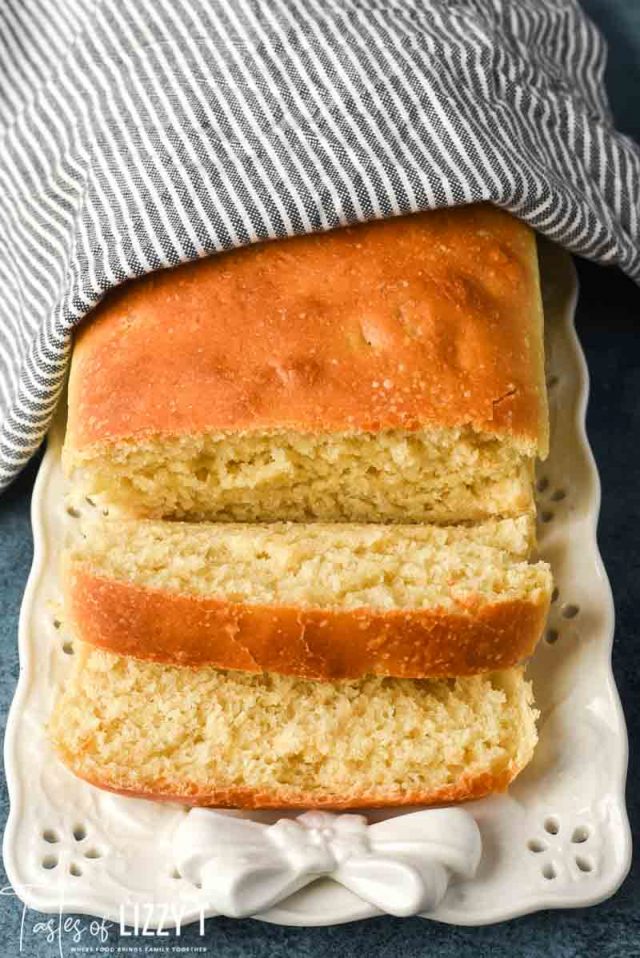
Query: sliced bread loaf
[[208, 737]]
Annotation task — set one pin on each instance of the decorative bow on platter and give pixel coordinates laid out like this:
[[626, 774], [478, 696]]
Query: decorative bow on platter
[[402, 866]]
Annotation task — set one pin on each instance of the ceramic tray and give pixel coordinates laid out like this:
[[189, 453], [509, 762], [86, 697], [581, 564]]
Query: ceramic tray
[[560, 838]]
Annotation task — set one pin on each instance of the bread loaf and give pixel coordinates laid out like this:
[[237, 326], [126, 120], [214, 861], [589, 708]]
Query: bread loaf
[[209, 737], [315, 600], [389, 372]]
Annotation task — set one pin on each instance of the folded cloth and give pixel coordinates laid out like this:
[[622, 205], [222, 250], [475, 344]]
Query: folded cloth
[[138, 134]]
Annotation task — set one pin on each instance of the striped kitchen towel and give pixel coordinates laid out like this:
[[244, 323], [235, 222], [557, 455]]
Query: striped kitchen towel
[[137, 134]]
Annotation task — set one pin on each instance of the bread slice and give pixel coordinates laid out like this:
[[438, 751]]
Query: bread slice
[[209, 737], [320, 601], [388, 372]]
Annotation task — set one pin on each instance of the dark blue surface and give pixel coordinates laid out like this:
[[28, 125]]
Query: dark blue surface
[[609, 327]]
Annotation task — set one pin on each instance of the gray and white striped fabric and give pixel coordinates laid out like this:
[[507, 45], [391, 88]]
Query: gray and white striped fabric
[[137, 134]]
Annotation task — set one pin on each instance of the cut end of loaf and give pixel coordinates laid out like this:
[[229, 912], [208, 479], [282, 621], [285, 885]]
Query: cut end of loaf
[[208, 737], [426, 475]]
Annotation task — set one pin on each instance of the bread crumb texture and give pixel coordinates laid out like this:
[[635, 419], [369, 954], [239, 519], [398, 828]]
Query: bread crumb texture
[[430, 475], [196, 735], [316, 565]]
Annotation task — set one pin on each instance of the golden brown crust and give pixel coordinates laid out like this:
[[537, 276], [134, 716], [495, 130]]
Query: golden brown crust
[[468, 788], [426, 320], [314, 643]]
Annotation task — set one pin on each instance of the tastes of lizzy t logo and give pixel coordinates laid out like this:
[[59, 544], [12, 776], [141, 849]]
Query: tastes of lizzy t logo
[[137, 926]]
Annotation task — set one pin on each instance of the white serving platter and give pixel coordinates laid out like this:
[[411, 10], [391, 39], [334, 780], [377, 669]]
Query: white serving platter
[[560, 838]]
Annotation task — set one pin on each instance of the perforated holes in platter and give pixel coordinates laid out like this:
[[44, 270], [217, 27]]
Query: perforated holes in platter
[[560, 614], [554, 846], [71, 845], [75, 510], [65, 643], [550, 497]]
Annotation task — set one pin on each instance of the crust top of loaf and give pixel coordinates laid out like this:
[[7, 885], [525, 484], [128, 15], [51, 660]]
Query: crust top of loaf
[[426, 320]]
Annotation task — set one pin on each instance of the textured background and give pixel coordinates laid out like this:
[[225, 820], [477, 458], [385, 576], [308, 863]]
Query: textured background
[[609, 327]]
